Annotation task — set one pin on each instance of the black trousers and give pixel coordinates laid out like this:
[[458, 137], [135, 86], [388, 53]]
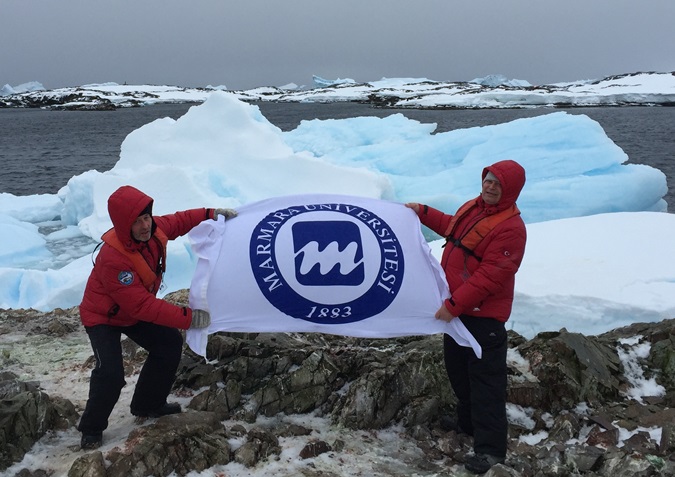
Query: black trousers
[[164, 346], [480, 384]]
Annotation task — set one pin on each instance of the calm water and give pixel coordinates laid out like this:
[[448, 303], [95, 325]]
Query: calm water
[[40, 150]]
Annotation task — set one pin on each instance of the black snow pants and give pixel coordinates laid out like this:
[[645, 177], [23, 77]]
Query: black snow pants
[[480, 384], [164, 346]]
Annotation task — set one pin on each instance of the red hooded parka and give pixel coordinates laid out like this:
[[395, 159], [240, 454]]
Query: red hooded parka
[[115, 293], [485, 287]]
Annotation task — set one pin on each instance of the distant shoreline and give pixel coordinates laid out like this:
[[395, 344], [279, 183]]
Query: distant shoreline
[[635, 89]]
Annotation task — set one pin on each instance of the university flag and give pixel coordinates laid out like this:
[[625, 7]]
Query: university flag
[[334, 264]]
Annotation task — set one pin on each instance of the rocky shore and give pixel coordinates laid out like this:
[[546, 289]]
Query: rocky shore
[[260, 402]]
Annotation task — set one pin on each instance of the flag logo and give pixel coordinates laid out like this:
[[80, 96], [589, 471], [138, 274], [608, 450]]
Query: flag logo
[[329, 263], [328, 253]]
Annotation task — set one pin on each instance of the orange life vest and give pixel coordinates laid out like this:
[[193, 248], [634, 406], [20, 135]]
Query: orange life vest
[[479, 230], [147, 275]]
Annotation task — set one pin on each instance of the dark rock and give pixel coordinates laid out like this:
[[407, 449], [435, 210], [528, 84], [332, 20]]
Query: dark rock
[[88, 465], [220, 400], [565, 427], [597, 436], [179, 443], [583, 459], [569, 368], [641, 443], [247, 454], [292, 430], [602, 420], [260, 444], [266, 441], [667, 443], [572, 387], [619, 464], [237, 431], [34, 473], [314, 449], [26, 415]]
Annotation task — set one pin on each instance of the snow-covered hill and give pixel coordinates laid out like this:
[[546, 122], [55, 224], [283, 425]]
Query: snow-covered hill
[[622, 90]]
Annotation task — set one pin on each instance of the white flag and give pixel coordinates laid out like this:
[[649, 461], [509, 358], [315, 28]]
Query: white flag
[[334, 264]]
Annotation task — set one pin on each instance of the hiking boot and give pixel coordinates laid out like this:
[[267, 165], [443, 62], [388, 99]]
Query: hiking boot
[[447, 424], [481, 463], [91, 441], [165, 409]]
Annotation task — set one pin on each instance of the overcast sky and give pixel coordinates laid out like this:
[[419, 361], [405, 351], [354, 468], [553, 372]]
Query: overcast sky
[[250, 43]]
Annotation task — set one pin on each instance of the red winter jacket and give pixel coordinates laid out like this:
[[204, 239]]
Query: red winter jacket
[[115, 294], [484, 288]]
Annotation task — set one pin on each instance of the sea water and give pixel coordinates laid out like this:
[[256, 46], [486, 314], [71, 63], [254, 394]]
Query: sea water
[[40, 150]]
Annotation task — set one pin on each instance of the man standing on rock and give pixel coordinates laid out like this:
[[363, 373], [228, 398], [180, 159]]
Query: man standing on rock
[[485, 243], [120, 298]]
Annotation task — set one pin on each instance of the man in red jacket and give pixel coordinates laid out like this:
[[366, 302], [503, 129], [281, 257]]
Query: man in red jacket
[[120, 298], [485, 243]]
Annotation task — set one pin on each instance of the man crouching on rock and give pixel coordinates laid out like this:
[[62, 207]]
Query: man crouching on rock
[[120, 298]]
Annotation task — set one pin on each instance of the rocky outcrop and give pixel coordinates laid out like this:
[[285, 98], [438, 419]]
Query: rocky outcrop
[[26, 415], [177, 443], [573, 408], [361, 383]]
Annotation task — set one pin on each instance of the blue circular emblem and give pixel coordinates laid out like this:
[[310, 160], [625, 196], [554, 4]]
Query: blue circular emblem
[[125, 277], [327, 263]]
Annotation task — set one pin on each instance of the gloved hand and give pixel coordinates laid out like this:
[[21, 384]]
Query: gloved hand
[[226, 213], [200, 319]]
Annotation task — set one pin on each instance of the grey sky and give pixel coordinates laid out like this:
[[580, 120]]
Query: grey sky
[[251, 43]]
